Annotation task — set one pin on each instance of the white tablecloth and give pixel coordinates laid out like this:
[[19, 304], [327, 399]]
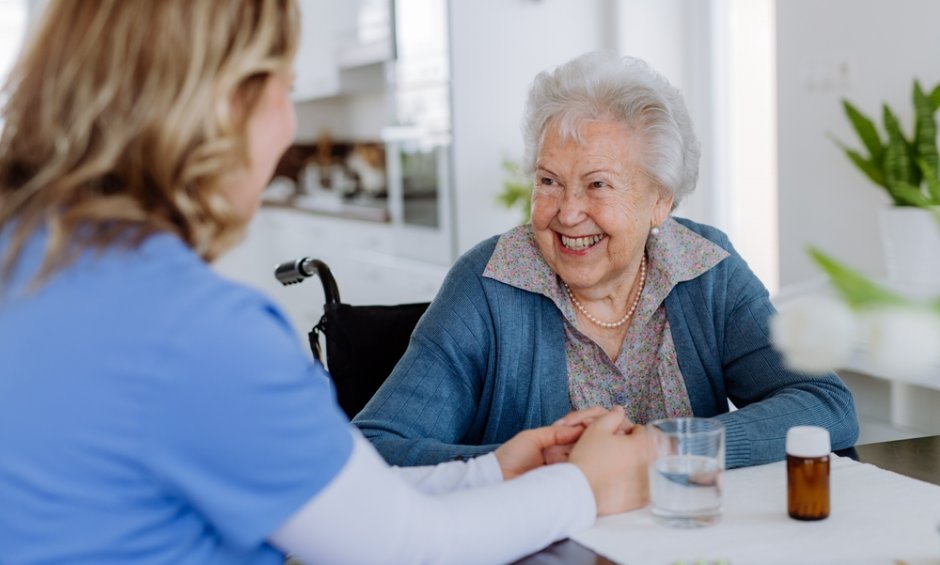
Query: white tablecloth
[[876, 517]]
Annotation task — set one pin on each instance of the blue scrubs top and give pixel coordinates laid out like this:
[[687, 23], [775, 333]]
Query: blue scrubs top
[[152, 411]]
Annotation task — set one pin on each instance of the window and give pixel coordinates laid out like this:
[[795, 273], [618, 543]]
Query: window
[[745, 167]]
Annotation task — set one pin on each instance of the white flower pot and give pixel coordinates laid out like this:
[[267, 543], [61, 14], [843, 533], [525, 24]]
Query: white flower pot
[[911, 238]]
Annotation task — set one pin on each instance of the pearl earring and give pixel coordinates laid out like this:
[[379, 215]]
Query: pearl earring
[[654, 231]]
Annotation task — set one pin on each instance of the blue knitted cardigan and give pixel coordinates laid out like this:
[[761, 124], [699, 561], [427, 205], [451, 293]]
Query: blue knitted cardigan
[[487, 360]]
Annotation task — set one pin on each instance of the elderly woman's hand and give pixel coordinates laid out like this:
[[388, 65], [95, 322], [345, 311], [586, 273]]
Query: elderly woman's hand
[[580, 419], [614, 463]]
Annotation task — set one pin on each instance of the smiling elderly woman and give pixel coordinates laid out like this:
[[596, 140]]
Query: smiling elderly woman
[[604, 299]]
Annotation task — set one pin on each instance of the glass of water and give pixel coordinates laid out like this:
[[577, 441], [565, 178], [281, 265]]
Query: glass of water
[[686, 471]]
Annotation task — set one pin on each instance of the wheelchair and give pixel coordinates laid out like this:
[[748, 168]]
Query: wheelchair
[[363, 343]]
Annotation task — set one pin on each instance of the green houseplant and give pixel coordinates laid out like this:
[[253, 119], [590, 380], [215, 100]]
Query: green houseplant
[[907, 168]]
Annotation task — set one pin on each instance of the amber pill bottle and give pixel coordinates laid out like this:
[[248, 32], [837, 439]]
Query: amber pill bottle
[[808, 472]]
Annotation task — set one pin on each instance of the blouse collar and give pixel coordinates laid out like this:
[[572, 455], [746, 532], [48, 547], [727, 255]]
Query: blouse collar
[[675, 255]]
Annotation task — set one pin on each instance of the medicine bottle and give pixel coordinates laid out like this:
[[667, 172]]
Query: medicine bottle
[[808, 472]]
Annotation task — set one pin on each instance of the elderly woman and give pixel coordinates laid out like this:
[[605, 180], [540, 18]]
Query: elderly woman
[[603, 300]]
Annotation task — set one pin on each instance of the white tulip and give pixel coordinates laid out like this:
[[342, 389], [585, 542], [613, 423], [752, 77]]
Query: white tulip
[[902, 341], [814, 334]]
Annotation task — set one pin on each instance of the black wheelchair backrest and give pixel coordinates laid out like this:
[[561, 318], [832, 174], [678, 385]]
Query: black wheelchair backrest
[[363, 343]]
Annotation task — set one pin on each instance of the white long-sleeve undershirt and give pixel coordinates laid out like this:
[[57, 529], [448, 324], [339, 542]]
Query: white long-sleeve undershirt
[[458, 512]]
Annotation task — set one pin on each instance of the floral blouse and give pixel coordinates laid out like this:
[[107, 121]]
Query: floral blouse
[[644, 378]]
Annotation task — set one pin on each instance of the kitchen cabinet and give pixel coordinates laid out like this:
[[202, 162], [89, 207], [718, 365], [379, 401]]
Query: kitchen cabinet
[[364, 33], [338, 39], [315, 67]]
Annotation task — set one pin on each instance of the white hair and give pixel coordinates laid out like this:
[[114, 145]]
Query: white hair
[[600, 86]]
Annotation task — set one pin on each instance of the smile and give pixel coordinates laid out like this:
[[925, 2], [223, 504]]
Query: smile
[[581, 243]]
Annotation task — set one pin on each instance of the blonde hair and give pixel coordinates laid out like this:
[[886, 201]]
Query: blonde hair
[[120, 123]]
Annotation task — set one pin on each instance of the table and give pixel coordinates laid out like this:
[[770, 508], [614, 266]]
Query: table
[[918, 458]]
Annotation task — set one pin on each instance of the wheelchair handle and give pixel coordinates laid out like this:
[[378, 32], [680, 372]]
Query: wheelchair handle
[[293, 272]]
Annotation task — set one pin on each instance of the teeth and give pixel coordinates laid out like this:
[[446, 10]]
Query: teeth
[[579, 243]]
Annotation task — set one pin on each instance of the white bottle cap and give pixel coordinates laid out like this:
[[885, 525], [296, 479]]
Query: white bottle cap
[[808, 441]]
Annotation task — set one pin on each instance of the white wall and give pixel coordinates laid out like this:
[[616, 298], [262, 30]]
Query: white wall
[[823, 200]]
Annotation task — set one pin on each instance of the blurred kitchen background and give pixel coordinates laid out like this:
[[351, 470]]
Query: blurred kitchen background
[[408, 109]]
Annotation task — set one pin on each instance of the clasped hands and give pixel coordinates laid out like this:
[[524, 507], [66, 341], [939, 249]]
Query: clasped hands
[[611, 451]]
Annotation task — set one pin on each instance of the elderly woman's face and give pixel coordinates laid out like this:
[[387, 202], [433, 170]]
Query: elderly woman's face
[[592, 207]]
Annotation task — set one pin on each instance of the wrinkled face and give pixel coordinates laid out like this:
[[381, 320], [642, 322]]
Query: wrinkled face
[[592, 207], [270, 130]]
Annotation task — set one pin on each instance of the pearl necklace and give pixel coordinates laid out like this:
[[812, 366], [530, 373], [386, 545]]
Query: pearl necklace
[[621, 321]]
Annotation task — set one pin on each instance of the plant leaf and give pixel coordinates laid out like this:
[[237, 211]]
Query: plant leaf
[[935, 97], [856, 289], [870, 168], [933, 183], [906, 194], [925, 131], [898, 158], [866, 131]]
